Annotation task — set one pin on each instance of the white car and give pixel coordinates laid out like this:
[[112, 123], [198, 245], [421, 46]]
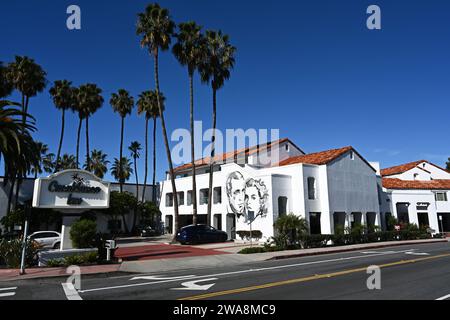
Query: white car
[[47, 239]]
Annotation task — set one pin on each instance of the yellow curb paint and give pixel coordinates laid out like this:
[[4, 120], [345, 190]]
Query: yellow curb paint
[[305, 279]]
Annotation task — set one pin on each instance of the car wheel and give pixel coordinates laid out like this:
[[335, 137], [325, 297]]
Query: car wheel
[[57, 245]]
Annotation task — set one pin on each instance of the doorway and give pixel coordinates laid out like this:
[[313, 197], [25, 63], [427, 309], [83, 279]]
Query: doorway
[[231, 226], [424, 222]]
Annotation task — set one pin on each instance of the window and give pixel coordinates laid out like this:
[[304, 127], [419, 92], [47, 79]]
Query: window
[[311, 188], [204, 196], [441, 196], [287, 147], [314, 223], [217, 195], [282, 206], [180, 198], [415, 176], [189, 198], [352, 155], [169, 199]]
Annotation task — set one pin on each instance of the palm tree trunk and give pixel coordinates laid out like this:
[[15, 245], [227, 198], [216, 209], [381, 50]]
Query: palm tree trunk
[[194, 179], [121, 153], [137, 191], [154, 162], [58, 156], [88, 157], [166, 144], [78, 142], [211, 164], [146, 160]]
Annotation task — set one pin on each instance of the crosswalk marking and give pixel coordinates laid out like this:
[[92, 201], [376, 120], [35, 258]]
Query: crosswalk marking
[[7, 294]]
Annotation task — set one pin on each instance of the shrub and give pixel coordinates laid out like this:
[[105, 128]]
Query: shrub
[[82, 233], [80, 259], [245, 234], [252, 250], [11, 252]]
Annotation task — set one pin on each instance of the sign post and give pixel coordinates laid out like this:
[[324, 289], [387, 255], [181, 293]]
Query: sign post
[[24, 241]]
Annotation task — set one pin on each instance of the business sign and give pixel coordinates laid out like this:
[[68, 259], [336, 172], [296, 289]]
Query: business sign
[[71, 190]]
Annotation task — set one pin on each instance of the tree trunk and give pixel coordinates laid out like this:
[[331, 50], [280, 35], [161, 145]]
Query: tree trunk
[[211, 165], [154, 162], [137, 191], [194, 179], [166, 144], [121, 153], [58, 156], [88, 156], [78, 141], [146, 160]]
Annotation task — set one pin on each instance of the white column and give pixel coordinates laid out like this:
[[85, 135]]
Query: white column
[[66, 242]]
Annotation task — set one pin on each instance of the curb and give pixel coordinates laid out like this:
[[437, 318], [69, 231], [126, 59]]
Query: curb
[[306, 254]]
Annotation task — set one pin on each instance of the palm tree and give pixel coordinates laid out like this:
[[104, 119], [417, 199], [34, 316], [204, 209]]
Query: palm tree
[[45, 163], [89, 100], [214, 70], [67, 161], [62, 94], [121, 171], [156, 28], [81, 115], [28, 78], [135, 149], [5, 86], [99, 164], [147, 104], [123, 104], [189, 51]]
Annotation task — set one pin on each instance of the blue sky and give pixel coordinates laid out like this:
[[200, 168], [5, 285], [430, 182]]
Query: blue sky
[[309, 68]]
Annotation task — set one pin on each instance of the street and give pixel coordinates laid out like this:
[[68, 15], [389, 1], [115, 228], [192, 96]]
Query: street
[[407, 272]]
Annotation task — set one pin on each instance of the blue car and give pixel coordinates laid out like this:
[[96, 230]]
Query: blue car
[[200, 234]]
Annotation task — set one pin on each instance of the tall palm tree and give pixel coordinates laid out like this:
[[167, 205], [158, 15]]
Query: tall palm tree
[[89, 100], [123, 104], [214, 70], [147, 104], [135, 150], [28, 78], [62, 94], [45, 163], [189, 51], [156, 28], [99, 163], [67, 161]]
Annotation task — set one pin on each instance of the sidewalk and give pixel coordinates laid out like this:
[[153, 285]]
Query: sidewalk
[[34, 273], [211, 261]]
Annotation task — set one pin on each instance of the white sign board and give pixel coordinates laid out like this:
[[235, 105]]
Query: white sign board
[[71, 190]]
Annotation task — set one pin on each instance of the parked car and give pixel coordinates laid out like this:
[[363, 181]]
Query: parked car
[[200, 234], [47, 239], [146, 231]]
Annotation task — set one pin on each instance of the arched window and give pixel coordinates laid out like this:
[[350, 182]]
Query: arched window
[[311, 188]]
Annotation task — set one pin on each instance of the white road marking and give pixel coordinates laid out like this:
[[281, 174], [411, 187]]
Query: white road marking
[[417, 253], [8, 294], [70, 291], [161, 278], [192, 285], [246, 271], [444, 297]]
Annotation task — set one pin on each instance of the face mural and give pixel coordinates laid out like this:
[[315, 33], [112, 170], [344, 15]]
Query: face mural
[[247, 198]]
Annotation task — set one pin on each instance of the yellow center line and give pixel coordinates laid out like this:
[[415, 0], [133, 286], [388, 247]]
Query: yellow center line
[[305, 279]]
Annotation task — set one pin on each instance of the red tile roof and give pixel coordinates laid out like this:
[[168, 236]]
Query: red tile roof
[[393, 183], [318, 158], [405, 167], [401, 168], [227, 156]]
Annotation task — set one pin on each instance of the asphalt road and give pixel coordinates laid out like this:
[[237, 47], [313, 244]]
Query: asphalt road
[[406, 272]]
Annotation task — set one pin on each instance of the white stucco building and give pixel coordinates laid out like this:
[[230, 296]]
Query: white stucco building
[[329, 188], [417, 192]]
